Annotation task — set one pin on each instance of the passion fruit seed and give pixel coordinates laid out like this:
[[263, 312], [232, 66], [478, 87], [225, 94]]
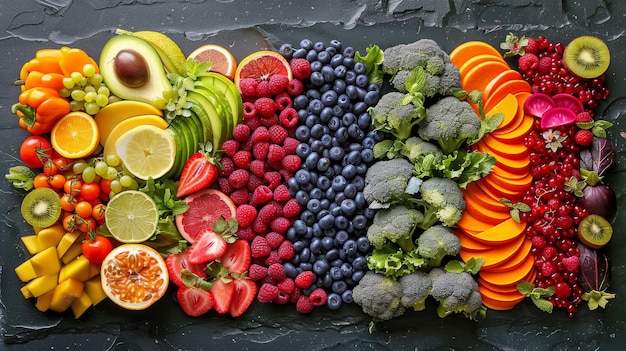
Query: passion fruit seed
[[131, 68]]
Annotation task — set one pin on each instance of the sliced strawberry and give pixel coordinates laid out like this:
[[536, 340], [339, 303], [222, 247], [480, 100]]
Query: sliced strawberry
[[199, 173], [223, 293], [195, 301], [207, 247], [177, 262], [237, 257], [245, 292]]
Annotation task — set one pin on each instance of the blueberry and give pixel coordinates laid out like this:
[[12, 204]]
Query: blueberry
[[339, 183], [300, 102], [306, 187], [327, 221], [309, 233], [348, 207], [330, 193], [332, 254], [303, 176], [348, 51], [291, 234], [329, 76], [350, 247], [311, 161], [316, 66], [357, 275], [337, 262], [311, 55], [349, 171], [367, 155], [305, 254], [342, 135], [323, 183], [313, 94], [341, 222], [360, 107], [336, 60], [365, 121], [319, 46], [300, 53], [293, 186], [303, 134], [361, 169], [329, 98], [303, 150], [338, 287], [315, 106], [356, 133], [316, 78], [290, 269], [313, 206], [369, 213], [349, 192], [359, 222], [336, 44], [350, 78], [334, 123], [335, 273], [346, 297], [325, 87], [306, 266], [361, 81], [371, 98], [334, 300], [286, 50], [336, 153], [354, 157], [363, 244], [300, 227], [352, 92], [368, 142], [326, 114], [341, 237], [327, 243], [359, 262], [323, 57], [327, 279], [335, 210], [348, 118], [359, 68], [298, 246], [317, 231], [302, 197], [315, 245], [330, 232], [343, 101], [325, 203], [337, 168], [316, 193], [359, 182], [306, 44], [327, 141]]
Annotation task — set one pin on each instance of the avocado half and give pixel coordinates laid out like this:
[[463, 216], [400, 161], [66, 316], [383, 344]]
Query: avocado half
[[157, 83]]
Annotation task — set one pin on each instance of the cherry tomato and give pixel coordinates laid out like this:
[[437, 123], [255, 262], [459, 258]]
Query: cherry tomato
[[50, 168], [70, 222], [86, 225], [34, 149], [57, 181], [105, 186], [98, 213], [41, 181], [90, 191], [68, 202], [96, 250], [83, 209], [72, 186]]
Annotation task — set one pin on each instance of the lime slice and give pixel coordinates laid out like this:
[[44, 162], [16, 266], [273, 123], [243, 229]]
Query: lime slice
[[146, 151], [131, 216]]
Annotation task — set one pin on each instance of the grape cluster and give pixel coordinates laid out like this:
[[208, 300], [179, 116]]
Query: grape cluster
[[107, 168], [337, 138], [86, 91]]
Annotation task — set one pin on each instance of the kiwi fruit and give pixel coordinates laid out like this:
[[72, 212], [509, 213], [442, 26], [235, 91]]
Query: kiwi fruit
[[594, 231], [587, 57], [41, 207]]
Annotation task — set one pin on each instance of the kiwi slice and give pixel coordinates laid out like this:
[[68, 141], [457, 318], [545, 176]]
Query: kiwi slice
[[41, 207], [594, 231], [587, 57]]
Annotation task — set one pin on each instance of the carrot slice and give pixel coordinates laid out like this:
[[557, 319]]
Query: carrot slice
[[517, 134], [501, 189], [498, 80], [475, 60], [483, 199], [519, 185], [496, 255], [509, 150], [521, 165], [479, 76], [469, 49], [485, 214], [509, 87], [506, 174], [500, 234], [506, 298], [472, 225], [511, 288], [470, 244], [515, 260], [512, 276]]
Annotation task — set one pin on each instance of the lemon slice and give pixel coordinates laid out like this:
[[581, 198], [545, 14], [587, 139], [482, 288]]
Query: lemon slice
[[131, 216], [146, 151]]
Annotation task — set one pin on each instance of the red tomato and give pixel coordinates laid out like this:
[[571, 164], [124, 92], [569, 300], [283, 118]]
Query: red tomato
[[34, 149], [90, 191], [96, 250]]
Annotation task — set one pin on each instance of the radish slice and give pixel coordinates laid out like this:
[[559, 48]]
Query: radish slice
[[557, 116], [569, 101], [537, 104]]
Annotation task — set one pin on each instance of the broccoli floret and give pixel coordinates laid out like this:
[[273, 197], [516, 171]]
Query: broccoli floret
[[456, 293], [392, 261], [451, 122], [415, 289], [414, 147], [441, 200], [386, 181], [392, 116], [394, 224], [436, 242], [379, 296]]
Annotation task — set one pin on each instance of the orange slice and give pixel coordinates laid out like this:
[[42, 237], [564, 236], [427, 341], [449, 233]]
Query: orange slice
[[498, 80], [496, 255], [509, 107], [500, 234], [75, 135], [261, 65], [472, 48], [222, 60], [508, 87], [475, 60], [134, 276], [510, 277], [516, 260], [478, 77]]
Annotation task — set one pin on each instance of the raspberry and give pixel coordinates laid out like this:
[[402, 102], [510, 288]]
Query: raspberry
[[281, 193], [291, 163], [289, 117], [254, 182], [227, 166], [267, 293], [295, 87], [239, 178], [273, 258], [263, 89], [261, 195], [248, 110], [257, 272], [286, 250], [277, 133], [285, 174], [533, 46], [269, 121], [230, 147], [259, 149], [265, 107], [318, 297], [547, 269], [275, 153], [240, 197], [274, 239], [260, 134], [290, 144], [283, 101], [571, 263], [268, 213], [242, 159], [246, 233], [247, 86], [286, 286], [583, 137], [528, 62], [241, 132], [224, 185], [278, 84], [257, 167], [253, 123], [301, 68], [545, 63], [304, 305], [277, 272], [273, 179], [295, 295], [245, 215], [280, 225], [584, 117], [260, 227], [282, 298], [292, 208], [304, 279], [259, 247]]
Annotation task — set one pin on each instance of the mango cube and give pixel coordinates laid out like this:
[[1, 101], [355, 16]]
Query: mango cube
[[42, 285], [81, 304], [43, 301], [25, 271], [31, 242], [78, 269], [66, 242], [73, 252], [94, 289], [25, 292], [65, 293], [51, 236], [46, 262]]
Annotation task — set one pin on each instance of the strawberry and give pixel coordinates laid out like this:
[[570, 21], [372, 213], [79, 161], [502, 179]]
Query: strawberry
[[245, 214], [243, 296], [179, 261], [223, 290], [200, 172], [300, 68], [237, 257], [208, 246], [304, 279], [194, 301], [583, 137]]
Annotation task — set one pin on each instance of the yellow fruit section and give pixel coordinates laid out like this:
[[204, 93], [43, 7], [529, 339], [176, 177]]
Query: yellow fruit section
[[127, 124], [113, 114]]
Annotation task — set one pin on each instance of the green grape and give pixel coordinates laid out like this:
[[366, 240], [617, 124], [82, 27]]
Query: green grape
[[83, 82], [76, 105], [89, 70], [68, 82], [102, 100], [90, 96], [96, 79], [89, 89], [76, 77], [113, 99], [78, 95], [91, 108], [103, 90], [79, 166], [111, 173], [116, 186], [134, 185], [126, 181], [65, 92], [101, 167], [112, 193], [112, 160], [159, 103], [89, 174]]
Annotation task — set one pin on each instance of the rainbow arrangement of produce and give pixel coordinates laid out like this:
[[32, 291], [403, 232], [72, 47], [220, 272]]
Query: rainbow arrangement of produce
[[400, 179]]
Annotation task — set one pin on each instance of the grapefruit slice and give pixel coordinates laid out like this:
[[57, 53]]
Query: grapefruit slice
[[222, 60], [205, 208], [262, 65]]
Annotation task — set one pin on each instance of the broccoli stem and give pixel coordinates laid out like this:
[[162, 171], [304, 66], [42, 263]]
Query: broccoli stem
[[448, 145], [407, 243]]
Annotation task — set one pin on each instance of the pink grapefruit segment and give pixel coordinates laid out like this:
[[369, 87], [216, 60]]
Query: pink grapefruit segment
[[205, 208]]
